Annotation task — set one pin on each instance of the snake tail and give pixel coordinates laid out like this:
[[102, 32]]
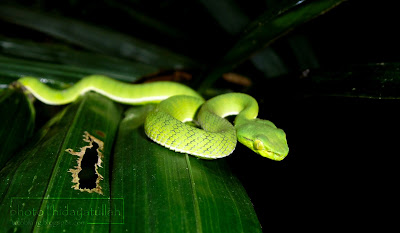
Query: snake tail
[[133, 94]]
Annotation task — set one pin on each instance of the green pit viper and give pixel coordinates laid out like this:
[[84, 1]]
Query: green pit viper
[[178, 103]]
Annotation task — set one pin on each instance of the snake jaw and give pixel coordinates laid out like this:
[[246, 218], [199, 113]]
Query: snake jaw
[[271, 155]]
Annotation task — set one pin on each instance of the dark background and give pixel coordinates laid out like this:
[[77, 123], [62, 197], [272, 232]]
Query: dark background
[[340, 173]]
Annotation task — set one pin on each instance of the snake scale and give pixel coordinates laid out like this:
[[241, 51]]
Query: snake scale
[[178, 104]]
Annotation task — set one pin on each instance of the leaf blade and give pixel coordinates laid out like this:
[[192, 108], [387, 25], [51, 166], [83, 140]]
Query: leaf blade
[[57, 57], [174, 192], [40, 178], [266, 29], [96, 38], [17, 119]]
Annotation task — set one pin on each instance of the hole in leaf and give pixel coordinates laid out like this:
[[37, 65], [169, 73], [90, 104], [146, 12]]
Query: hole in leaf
[[87, 176]]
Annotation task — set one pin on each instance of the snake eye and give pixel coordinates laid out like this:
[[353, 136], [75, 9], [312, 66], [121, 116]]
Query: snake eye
[[258, 145]]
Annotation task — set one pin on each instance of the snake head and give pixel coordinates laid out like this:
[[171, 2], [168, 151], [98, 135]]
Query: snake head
[[264, 138]]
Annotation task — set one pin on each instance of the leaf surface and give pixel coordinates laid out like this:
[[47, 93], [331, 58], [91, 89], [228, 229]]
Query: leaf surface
[[96, 38], [40, 180], [17, 121], [166, 191], [271, 25]]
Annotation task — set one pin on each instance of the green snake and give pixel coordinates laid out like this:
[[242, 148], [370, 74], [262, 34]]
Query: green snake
[[178, 104]]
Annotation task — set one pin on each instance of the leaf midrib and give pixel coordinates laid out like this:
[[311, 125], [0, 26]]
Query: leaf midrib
[[194, 196]]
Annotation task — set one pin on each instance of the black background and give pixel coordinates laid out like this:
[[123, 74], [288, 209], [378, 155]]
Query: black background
[[340, 173]]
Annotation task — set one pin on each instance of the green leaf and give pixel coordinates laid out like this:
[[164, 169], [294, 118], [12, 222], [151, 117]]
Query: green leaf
[[14, 68], [17, 121], [61, 76], [70, 60], [233, 20], [165, 191], [96, 38], [39, 180], [268, 27]]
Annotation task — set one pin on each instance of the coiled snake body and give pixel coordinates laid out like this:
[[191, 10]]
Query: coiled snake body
[[177, 104]]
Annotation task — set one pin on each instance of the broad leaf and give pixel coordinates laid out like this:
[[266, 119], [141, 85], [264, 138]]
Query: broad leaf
[[267, 28], [96, 38], [165, 191], [67, 60], [17, 120], [39, 186]]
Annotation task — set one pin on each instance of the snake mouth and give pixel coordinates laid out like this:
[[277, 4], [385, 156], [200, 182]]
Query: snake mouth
[[271, 155], [248, 139]]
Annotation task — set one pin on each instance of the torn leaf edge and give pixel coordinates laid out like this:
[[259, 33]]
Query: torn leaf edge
[[75, 178]]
